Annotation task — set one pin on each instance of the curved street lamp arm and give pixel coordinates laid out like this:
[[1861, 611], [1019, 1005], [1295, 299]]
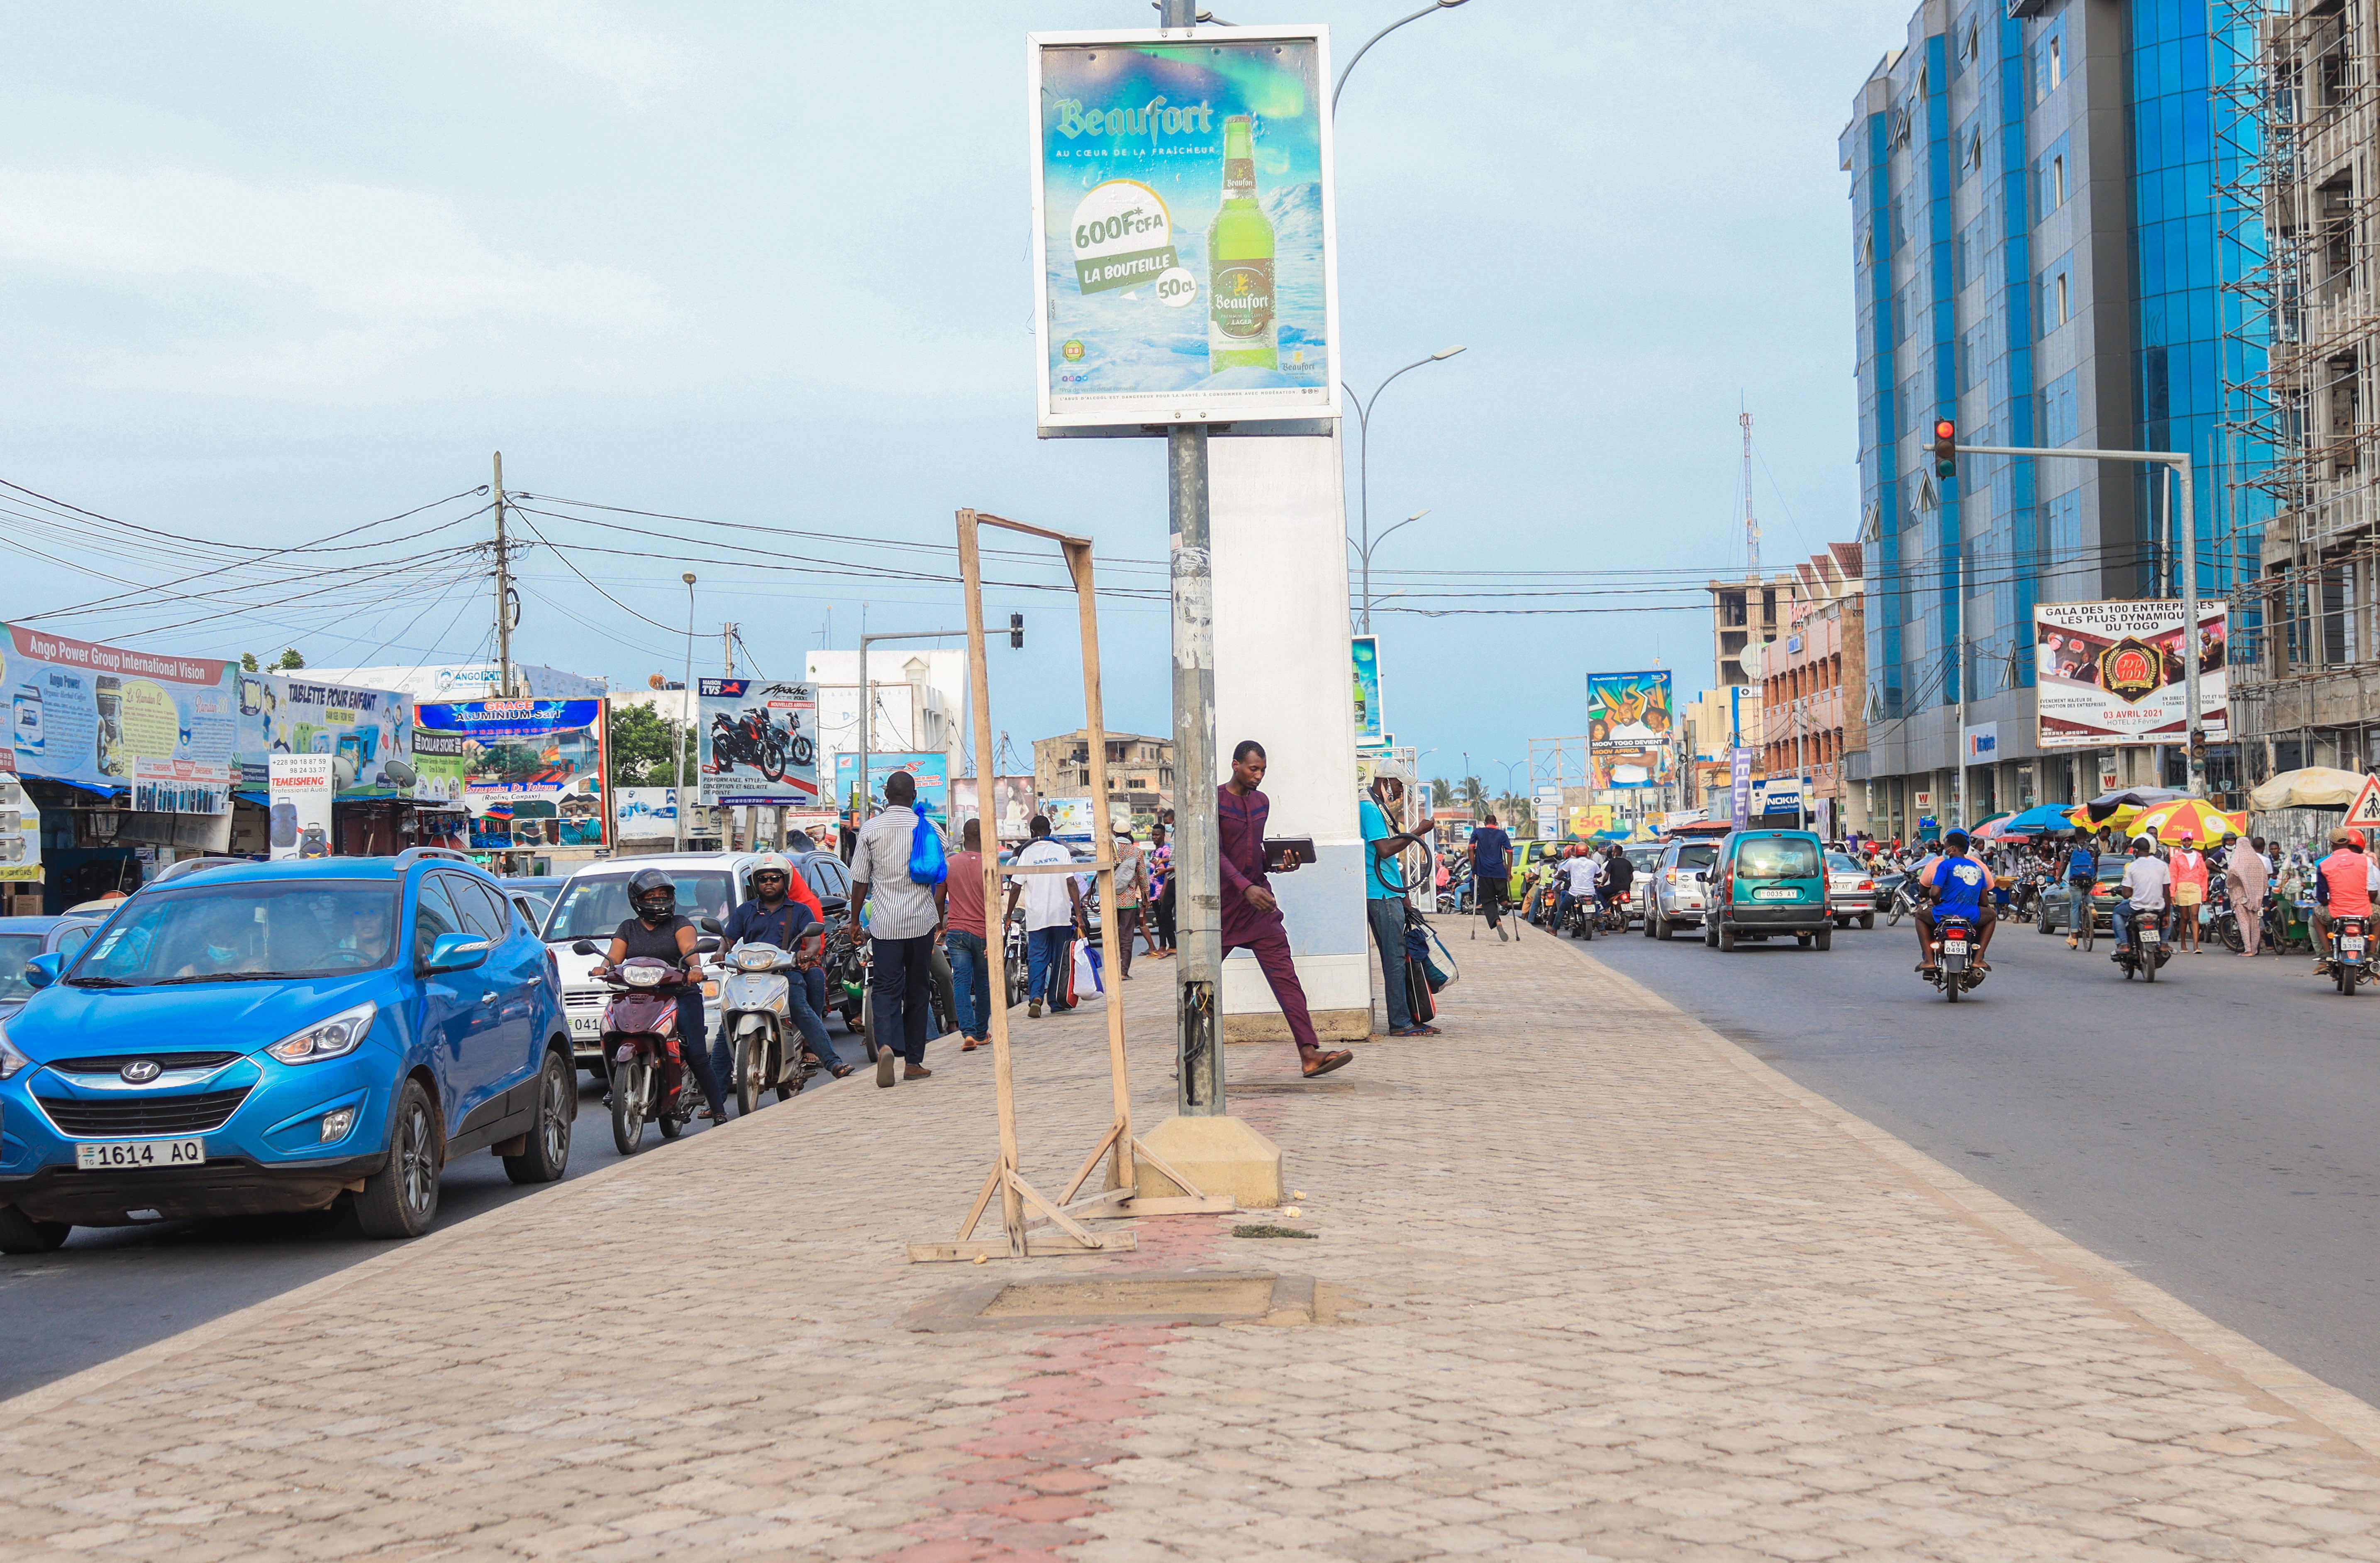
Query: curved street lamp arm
[[1341, 85]]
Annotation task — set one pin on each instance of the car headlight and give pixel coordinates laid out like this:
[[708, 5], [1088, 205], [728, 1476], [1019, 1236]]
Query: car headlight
[[333, 1038], [10, 1059]]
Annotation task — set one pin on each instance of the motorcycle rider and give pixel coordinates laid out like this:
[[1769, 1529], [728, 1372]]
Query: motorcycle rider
[[2148, 887], [1581, 883], [657, 930], [1956, 883], [773, 917], [1619, 876], [2344, 884]]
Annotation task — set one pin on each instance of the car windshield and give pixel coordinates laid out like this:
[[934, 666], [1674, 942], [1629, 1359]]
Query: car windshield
[[1777, 857], [247, 931], [1697, 857], [1842, 862], [594, 905], [15, 951]]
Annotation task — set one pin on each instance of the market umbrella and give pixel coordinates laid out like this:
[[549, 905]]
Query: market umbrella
[[2080, 818], [1991, 828], [2315, 787], [2193, 817], [2048, 819], [2108, 803]]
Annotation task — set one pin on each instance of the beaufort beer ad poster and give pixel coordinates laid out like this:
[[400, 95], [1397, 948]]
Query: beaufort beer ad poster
[[1182, 190], [2111, 672]]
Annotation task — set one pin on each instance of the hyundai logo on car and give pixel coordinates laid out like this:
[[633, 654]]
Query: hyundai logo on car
[[140, 1071]]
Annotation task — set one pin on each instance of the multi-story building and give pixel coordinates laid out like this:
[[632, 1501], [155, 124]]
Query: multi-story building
[[2041, 246], [2305, 671], [1812, 684], [1140, 769], [1744, 613]]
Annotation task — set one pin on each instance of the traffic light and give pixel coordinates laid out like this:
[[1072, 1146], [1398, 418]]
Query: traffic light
[[1946, 447], [1016, 631]]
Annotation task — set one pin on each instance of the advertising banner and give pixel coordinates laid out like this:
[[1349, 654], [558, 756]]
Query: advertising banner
[[760, 742], [182, 787], [21, 827], [1181, 193], [644, 813], [2111, 672], [1011, 805], [532, 769], [1631, 766], [299, 818], [932, 772], [82, 712], [1367, 689], [1629, 709], [1739, 784], [280, 714], [438, 769]]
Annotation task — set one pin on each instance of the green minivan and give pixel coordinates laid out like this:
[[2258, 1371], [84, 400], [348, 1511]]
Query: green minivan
[[1768, 882]]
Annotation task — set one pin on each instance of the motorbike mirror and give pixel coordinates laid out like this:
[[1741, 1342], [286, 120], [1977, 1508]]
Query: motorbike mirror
[[705, 946], [708, 925], [584, 946]]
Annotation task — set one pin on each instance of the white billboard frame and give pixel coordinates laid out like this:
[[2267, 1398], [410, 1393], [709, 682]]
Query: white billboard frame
[[1187, 407]]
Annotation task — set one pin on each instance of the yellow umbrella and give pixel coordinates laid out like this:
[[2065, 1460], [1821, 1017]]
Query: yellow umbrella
[[2193, 817], [2119, 821]]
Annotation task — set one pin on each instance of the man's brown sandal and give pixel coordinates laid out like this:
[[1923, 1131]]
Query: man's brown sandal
[[1323, 1062]]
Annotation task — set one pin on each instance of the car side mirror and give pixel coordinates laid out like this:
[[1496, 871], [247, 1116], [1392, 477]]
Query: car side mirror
[[457, 952], [706, 924], [42, 970], [705, 946], [584, 946]]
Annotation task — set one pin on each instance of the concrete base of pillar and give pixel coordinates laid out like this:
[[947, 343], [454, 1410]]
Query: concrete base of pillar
[[1330, 1025], [1222, 1155]]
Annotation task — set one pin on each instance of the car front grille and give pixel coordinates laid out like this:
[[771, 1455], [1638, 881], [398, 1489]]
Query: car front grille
[[587, 1001], [144, 1115], [167, 1061]]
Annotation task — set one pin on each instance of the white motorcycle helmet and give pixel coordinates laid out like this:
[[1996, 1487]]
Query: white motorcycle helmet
[[774, 862]]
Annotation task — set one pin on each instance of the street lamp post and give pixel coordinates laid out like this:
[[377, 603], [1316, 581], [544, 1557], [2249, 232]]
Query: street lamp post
[[1347, 69], [867, 716], [693, 710], [1363, 464]]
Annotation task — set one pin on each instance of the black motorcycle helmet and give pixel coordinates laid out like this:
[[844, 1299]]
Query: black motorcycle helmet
[[653, 896]]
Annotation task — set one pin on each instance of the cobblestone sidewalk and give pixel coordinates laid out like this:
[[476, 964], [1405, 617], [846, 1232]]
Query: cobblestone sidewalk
[[1626, 1292]]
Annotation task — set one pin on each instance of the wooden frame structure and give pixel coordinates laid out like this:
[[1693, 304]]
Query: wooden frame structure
[[1056, 1229]]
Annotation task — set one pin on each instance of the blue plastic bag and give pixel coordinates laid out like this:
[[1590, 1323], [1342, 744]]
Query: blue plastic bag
[[927, 865]]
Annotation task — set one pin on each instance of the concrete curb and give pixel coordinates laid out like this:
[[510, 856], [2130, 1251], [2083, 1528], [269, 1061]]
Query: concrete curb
[[2347, 1416]]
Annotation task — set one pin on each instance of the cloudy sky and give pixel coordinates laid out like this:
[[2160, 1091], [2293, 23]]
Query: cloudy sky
[[270, 272]]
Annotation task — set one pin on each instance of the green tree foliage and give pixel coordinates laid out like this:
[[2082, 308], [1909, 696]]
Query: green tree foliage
[[641, 753], [288, 660]]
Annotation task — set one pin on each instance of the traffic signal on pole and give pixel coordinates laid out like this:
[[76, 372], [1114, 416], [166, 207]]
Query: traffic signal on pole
[[1946, 447], [1016, 631]]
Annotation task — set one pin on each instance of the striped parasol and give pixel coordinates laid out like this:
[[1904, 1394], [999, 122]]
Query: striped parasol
[[2192, 817]]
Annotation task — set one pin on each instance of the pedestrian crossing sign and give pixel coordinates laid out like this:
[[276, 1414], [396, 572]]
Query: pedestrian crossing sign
[[2365, 811]]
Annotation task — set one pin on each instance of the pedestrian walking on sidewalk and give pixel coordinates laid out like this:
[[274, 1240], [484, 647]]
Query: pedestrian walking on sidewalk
[[1053, 904], [1251, 915], [1492, 866], [1384, 895], [901, 931], [1160, 894], [2249, 877], [965, 939], [1131, 881]]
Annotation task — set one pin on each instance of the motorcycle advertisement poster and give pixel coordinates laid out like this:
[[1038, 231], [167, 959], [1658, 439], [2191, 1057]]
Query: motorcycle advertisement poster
[[2112, 672], [760, 742], [86, 712]]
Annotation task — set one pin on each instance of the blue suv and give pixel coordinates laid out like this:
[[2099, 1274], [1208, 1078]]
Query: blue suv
[[250, 1038]]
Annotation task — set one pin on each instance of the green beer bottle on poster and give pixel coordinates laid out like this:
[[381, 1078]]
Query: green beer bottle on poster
[[1240, 328]]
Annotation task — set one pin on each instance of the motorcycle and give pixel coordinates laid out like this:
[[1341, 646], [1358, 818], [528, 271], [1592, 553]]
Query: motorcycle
[[1954, 971], [2349, 942], [755, 1007], [1902, 900], [2145, 949], [642, 1050], [752, 739], [1017, 960], [1577, 918]]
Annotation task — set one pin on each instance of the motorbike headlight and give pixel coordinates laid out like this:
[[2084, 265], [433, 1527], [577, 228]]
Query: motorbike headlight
[[756, 959], [644, 976], [10, 1059], [333, 1038]]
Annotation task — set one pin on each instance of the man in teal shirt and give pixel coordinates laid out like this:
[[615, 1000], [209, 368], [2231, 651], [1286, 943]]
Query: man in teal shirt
[[1384, 897]]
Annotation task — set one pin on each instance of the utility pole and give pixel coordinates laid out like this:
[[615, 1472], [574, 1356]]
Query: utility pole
[[727, 646], [692, 709], [503, 594], [1751, 526], [1959, 592]]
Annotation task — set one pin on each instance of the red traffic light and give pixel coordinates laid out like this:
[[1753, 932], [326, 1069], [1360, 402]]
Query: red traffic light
[[1946, 447]]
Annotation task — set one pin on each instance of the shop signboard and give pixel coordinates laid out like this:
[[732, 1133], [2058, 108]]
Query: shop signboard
[[1739, 784], [1011, 805], [1181, 193], [760, 742], [2112, 672], [438, 769], [532, 769], [285, 713], [182, 787], [21, 827], [300, 787], [85, 713], [932, 772], [1367, 690]]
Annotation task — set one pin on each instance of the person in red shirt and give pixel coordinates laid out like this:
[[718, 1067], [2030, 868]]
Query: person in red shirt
[[965, 938], [2343, 886]]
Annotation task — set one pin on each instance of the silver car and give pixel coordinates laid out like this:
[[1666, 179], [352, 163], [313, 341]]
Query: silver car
[[1850, 891], [1675, 895]]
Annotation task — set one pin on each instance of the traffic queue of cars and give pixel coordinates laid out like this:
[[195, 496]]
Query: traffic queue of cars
[[1741, 884]]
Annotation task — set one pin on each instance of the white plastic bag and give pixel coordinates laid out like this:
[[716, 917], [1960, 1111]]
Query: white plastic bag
[[1087, 973]]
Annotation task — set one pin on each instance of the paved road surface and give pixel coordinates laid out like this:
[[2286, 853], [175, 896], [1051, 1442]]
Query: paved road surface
[[2214, 1132], [111, 1290]]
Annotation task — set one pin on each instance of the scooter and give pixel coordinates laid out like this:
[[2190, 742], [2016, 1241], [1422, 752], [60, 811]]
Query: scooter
[[641, 1049], [756, 1012], [1954, 971], [2349, 943], [2146, 948]]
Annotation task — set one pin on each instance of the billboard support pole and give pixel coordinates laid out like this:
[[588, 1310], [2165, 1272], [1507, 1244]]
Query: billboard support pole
[[2193, 733]]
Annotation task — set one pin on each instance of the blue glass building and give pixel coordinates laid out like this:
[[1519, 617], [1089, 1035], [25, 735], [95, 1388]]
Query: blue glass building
[[2037, 254]]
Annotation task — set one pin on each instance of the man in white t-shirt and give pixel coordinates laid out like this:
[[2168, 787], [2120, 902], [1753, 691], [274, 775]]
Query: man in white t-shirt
[[2148, 887], [1580, 874], [1053, 904]]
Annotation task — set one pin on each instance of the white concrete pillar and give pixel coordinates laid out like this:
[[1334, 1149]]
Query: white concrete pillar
[[1284, 678]]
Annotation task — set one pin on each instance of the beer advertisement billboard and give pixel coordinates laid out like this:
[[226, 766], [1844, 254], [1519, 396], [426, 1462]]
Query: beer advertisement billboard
[[1181, 193], [2112, 672], [760, 742], [1367, 690], [1630, 709]]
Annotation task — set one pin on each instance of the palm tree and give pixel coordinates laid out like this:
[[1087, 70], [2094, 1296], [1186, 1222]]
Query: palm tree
[[1444, 791], [1474, 791]]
